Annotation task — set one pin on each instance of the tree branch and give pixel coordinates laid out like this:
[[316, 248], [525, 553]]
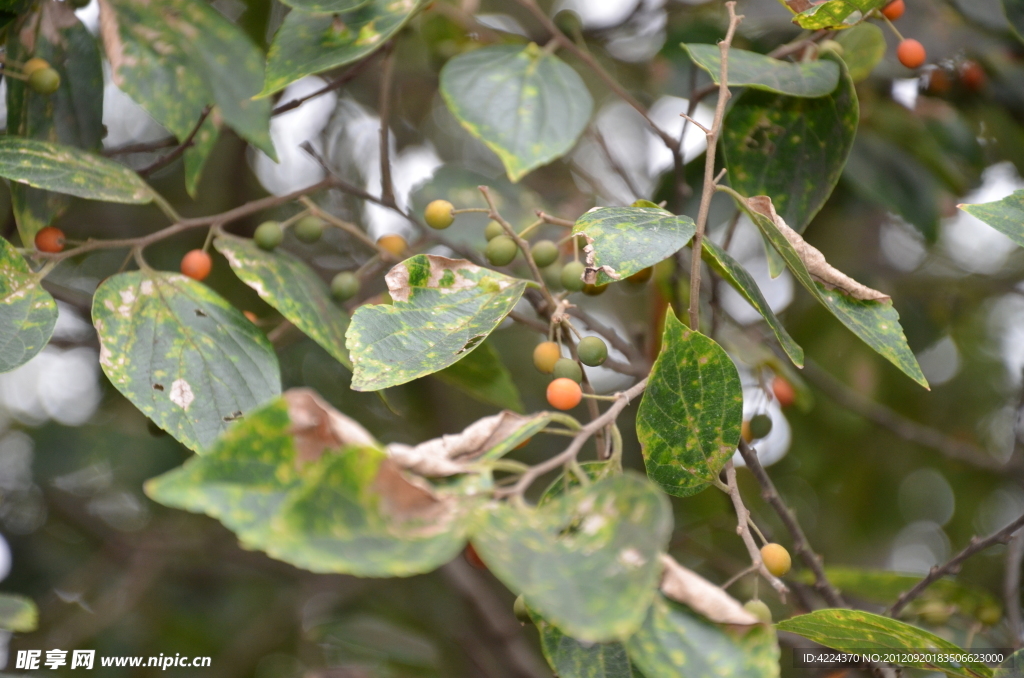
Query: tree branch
[[743, 529], [179, 150]]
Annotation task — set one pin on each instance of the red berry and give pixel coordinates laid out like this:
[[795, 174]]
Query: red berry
[[50, 239], [911, 53], [196, 264], [972, 75], [894, 10], [783, 391], [564, 393]]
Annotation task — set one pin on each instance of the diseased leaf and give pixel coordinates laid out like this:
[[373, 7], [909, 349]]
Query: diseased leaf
[[863, 47], [285, 282], [689, 419], [526, 104], [28, 313], [854, 630], [1006, 215], [686, 586], [483, 376], [622, 241], [587, 560], [309, 43], [18, 613], [750, 69], [182, 354], [443, 308], [831, 14], [327, 6], [569, 658]]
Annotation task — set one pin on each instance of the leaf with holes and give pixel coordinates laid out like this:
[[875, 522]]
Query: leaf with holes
[[525, 104], [1006, 215], [831, 14], [285, 282], [28, 313], [443, 308], [182, 354], [791, 148], [569, 658], [689, 419], [18, 613], [483, 376], [750, 69], [587, 560]]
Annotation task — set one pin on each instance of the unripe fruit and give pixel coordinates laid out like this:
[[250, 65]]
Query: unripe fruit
[[520, 611], [309, 228], [196, 264], [50, 239], [544, 253], [552, 275], [545, 356], [473, 558], [594, 290], [501, 251], [393, 244], [776, 559], [564, 394], [268, 235], [438, 214], [44, 81], [567, 368], [572, 276], [759, 610], [894, 10], [972, 75], [783, 391], [641, 276], [592, 351], [344, 286], [493, 230], [35, 64], [935, 612], [760, 425], [911, 53], [989, 614]]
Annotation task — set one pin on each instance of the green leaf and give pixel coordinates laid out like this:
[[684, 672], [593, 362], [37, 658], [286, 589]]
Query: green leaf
[[327, 6], [525, 104], [66, 169], [182, 354], [622, 241], [733, 273], [863, 48], [442, 309], [853, 630], [569, 658], [18, 613], [1006, 215], [833, 14], [72, 115], [790, 148], [27, 312], [674, 642], [750, 69], [285, 282], [483, 376], [586, 560], [309, 43], [876, 322], [1014, 10], [689, 419]]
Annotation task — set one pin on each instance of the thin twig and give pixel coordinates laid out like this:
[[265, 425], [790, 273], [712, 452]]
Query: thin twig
[[342, 79], [146, 147], [554, 220], [742, 517], [179, 150]]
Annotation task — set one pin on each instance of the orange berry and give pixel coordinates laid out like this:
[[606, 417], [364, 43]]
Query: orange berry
[[972, 75], [894, 10], [564, 394], [196, 264], [911, 53], [50, 239], [776, 558], [393, 243], [783, 391], [473, 558], [545, 355], [251, 317]]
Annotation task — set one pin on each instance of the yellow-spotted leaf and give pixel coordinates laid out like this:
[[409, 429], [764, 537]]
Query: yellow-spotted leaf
[[28, 313], [749, 69]]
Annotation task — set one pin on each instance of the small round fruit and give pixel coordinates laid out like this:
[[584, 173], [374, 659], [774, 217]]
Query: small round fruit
[[493, 230], [760, 425], [938, 82], [544, 253], [309, 229], [594, 290], [473, 558], [989, 614], [552, 275], [344, 286], [564, 394], [501, 251], [783, 391], [567, 368], [438, 214], [50, 239], [641, 276], [35, 64], [935, 612], [572, 276], [44, 81], [251, 317], [759, 610], [776, 559], [972, 75], [592, 351], [911, 53], [196, 264], [520, 611], [894, 10], [545, 356], [268, 235], [393, 244]]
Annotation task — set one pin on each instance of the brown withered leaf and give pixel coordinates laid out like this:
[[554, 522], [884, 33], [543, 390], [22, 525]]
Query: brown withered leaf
[[689, 588], [814, 260], [410, 503], [318, 427]]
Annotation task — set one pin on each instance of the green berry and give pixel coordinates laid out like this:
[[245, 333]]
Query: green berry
[[989, 614], [520, 611], [760, 425], [344, 286], [592, 351], [493, 230], [501, 251], [759, 610], [552, 275], [568, 368], [44, 81], [572, 276], [438, 214], [268, 235], [544, 253], [309, 229]]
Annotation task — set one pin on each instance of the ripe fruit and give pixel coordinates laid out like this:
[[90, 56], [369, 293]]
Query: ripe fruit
[[972, 75], [473, 558], [268, 235], [344, 286], [938, 82], [44, 81], [501, 250], [251, 317], [196, 264], [309, 228], [439, 215], [572, 276], [894, 10], [545, 356], [393, 244], [564, 394], [35, 64], [567, 368], [760, 425], [50, 239], [783, 391], [759, 610], [493, 230], [641, 276], [520, 611], [776, 559], [544, 253], [911, 53], [592, 351]]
